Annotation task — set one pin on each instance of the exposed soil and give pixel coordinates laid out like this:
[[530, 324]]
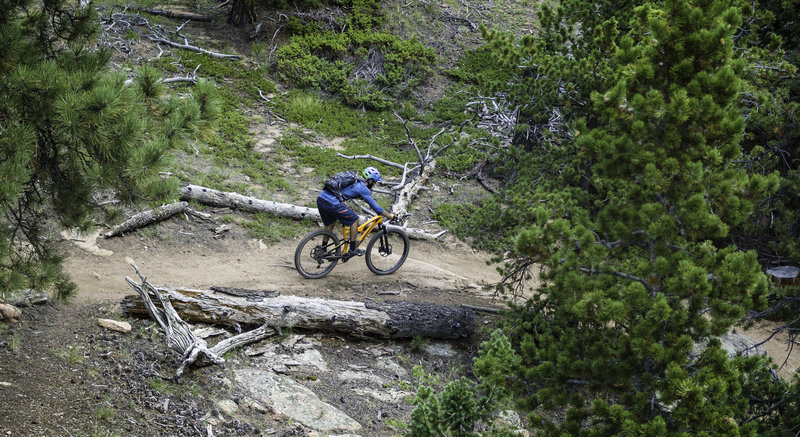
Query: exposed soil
[[63, 374]]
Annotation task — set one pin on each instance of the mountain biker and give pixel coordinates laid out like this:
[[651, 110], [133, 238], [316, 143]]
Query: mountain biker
[[331, 209]]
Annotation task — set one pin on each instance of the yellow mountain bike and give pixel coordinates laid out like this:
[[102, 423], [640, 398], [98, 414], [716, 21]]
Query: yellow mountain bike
[[320, 251]]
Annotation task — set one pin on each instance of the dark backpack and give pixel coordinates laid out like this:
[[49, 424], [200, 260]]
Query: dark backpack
[[338, 182]]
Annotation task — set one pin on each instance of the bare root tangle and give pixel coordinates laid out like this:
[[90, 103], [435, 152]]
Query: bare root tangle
[[333, 19], [495, 115], [371, 67], [179, 336]]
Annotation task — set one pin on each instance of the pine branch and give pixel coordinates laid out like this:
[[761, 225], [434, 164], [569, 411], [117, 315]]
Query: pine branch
[[653, 291]]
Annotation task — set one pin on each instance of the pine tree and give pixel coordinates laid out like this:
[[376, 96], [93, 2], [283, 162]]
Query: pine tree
[[69, 127], [630, 211]]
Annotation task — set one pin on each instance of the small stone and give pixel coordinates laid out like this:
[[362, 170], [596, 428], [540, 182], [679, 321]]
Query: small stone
[[228, 407], [9, 313], [115, 325]]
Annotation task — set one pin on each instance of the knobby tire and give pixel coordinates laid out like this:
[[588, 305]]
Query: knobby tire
[[304, 260], [382, 259]]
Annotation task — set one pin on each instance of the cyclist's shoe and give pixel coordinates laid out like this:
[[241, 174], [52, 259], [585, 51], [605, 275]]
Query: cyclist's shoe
[[355, 251]]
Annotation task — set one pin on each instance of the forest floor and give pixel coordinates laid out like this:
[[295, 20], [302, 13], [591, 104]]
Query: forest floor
[[63, 374]]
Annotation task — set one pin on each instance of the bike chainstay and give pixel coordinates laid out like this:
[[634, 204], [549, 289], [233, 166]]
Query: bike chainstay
[[325, 253]]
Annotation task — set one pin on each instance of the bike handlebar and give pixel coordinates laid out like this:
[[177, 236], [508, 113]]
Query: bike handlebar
[[398, 218]]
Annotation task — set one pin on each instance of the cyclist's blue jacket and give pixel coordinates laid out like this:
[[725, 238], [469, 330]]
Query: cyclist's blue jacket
[[358, 189]]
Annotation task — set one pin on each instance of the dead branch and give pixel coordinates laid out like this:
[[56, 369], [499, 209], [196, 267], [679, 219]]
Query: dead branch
[[410, 138], [190, 77], [485, 185], [175, 15], [482, 309], [459, 20], [374, 158], [179, 336], [147, 217], [187, 46]]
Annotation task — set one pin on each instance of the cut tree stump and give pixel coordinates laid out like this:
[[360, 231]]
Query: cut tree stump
[[785, 275], [390, 320]]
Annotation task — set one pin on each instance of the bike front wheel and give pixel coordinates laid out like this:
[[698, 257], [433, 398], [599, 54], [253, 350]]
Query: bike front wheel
[[387, 251], [312, 259]]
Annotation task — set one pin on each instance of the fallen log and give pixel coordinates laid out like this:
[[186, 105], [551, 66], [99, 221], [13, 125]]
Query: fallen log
[[227, 199], [388, 320], [147, 217], [175, 15]]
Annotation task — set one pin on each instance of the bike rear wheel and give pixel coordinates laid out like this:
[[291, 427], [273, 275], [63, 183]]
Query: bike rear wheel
[[312, 259], [387, 251]]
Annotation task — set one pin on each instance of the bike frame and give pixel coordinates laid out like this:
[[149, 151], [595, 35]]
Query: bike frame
[[364, 230]]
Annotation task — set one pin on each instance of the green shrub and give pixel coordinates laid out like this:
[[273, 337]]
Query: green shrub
[[463, 402], [330, 61]]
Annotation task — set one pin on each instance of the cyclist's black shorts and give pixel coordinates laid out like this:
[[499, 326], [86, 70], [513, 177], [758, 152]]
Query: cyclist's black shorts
[[330, 212]]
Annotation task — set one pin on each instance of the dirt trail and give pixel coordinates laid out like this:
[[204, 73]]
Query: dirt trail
[[450, 269]]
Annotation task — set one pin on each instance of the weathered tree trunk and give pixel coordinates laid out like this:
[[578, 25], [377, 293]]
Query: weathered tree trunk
[[240, 14], [373, 320], [226, 199], [147, 217], [208, 196], [411, 189], [174, 15]]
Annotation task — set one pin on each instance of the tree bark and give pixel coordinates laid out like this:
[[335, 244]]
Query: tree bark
[[390, 320], [240, 14]]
